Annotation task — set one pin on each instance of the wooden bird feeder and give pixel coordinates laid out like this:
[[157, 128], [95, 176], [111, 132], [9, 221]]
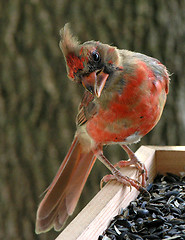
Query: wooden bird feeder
[[96, 216]]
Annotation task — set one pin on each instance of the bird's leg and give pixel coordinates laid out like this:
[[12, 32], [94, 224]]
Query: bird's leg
[[116, 174], [133, 161]]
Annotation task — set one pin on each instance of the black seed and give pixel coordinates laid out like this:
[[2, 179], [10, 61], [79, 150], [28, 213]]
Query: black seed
[[152, 236], [170, 193], [134, 236], [162, 216], [142, 212], [140, 221], [100, 237], [176, 177]]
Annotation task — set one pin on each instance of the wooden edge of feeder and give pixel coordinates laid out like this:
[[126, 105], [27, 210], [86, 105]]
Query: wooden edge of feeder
[[95, 217], [175, 156]]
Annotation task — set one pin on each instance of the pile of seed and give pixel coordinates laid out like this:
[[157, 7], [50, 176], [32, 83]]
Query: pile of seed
[[161, 217]]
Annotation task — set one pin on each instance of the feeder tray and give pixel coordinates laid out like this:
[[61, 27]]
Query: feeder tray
[[96, 216]]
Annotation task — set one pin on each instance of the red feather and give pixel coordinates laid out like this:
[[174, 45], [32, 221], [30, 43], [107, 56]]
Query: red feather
[[64, 192]]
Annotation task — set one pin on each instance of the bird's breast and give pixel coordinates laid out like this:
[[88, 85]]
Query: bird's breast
[[129, 115]]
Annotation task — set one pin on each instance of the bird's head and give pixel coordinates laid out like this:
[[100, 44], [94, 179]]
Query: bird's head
[[91, 63]]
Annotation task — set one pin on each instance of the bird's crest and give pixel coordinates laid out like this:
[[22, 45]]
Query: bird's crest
[[68, 42], [70, 48]]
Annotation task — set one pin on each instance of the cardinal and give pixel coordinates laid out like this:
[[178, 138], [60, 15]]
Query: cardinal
[[125, 93]]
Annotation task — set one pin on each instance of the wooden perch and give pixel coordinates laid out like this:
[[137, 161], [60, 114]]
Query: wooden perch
[[95, 217]]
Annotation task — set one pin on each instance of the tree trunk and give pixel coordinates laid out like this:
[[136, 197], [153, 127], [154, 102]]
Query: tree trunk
[[38, 103]]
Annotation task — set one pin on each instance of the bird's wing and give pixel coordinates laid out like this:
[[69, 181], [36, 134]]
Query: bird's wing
[[87, 109]]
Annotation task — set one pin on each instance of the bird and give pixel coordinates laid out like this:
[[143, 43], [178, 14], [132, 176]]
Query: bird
[[124, 96]]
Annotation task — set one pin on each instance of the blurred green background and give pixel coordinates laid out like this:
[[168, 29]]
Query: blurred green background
[[38, 104]]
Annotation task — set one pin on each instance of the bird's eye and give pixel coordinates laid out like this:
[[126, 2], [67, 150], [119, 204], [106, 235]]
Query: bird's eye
[[96, 56]]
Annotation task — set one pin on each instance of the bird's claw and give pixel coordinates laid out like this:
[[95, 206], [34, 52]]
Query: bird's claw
[[106, 179], [128, 182], [124, 180], [140, 166]]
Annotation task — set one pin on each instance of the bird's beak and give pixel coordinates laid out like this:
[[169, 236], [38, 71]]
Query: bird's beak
[[95, 82]]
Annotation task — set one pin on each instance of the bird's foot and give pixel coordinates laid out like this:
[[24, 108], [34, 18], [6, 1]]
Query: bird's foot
[[124, 180], [134, 161], [117, 175], [140, 166]]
